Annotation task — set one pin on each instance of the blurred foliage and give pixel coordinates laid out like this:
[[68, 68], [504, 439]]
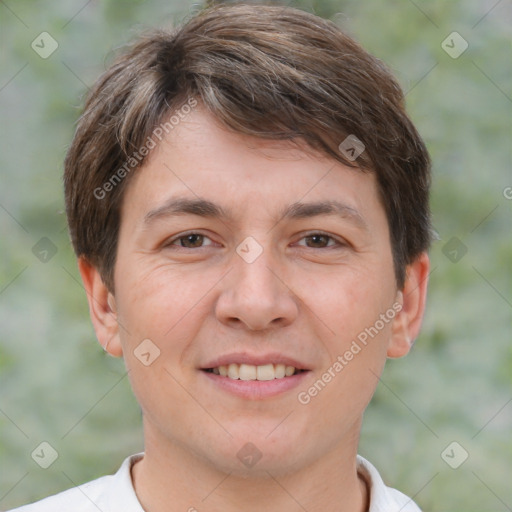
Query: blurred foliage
[[58, 386]]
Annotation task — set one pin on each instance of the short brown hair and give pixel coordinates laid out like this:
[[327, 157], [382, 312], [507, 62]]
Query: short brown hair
[[266, 71]]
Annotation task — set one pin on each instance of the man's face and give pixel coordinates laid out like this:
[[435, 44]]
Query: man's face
[[272, 281]]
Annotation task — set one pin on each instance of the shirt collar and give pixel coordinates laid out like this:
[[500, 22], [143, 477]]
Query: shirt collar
[[122, 495]]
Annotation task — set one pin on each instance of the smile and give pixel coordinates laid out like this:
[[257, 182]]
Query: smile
[[251, 382], [251, 372]]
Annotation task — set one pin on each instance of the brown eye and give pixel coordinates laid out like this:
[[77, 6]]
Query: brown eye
[[319, 241], [191, 241]]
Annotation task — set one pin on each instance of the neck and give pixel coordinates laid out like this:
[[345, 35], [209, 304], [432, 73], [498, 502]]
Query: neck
[[175, 476]]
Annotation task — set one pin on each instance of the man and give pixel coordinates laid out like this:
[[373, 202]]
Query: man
[[248, 202]]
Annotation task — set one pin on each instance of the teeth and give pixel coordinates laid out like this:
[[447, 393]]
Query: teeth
[[265, 372], [247, 372], [280, 371], [233, 372], [251, 372]]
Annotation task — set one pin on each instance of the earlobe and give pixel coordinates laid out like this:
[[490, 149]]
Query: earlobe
[[407, 323], [102, 308]]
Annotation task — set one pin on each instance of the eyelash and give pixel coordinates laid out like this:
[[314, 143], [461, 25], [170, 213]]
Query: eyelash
[[339, 243]]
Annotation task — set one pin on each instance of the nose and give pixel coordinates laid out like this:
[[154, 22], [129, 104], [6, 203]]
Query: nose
[[256, 296]]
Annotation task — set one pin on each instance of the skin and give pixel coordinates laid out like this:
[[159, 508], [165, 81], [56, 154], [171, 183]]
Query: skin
[[308, 297]]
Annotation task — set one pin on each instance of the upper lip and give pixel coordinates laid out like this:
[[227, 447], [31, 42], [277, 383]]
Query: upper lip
[[255, 360]]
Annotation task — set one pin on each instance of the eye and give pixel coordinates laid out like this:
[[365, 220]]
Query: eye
[[320, 241], [190, 241]]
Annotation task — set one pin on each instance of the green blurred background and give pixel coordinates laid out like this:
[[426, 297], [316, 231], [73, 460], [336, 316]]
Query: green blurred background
[[58, 386]]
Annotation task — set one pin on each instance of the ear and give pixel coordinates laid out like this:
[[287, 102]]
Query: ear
[[407, 323], [101, 308]]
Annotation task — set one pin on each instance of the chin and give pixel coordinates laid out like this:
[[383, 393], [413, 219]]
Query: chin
[[265, 465], [253, 455]]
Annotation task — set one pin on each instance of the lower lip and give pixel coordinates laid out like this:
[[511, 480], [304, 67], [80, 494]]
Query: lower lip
[[256, 389]]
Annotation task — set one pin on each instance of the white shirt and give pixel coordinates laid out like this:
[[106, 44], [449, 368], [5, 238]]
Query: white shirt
[[115, 493]]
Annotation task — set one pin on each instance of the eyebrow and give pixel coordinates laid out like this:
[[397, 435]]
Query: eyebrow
[[208, 209], [306, 210], [183, 206]]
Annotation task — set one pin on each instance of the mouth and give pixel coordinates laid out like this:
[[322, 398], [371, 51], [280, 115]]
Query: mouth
[[247, 372], [253, 376]]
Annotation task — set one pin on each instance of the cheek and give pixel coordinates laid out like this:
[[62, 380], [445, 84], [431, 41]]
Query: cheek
[[352, 308], [360, 313], [156, 300], [351, 300], [164, 307]]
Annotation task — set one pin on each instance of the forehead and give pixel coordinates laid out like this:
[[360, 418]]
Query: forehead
[[240, 175]]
